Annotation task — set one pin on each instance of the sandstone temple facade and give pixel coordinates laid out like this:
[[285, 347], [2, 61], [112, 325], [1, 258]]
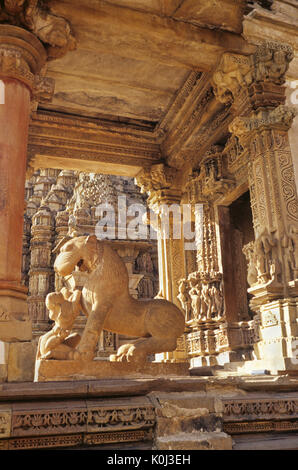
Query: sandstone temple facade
[[188, 109]]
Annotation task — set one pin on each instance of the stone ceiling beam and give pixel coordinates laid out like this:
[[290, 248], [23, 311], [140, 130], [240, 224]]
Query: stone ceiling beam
[[143, 36], [84, 145]]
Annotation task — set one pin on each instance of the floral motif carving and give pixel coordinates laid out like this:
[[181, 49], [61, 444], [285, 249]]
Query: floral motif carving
[[239, 409], [57, 421]]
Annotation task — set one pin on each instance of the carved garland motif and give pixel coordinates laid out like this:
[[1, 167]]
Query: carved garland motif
[[260, 415], [260, 426], [241, 409], [53, 422]]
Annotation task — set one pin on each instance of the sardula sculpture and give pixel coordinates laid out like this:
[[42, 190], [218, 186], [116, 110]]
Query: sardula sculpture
[[106, 302]]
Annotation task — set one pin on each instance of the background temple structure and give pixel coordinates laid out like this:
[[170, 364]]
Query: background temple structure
[[188, 104], [63, 202]]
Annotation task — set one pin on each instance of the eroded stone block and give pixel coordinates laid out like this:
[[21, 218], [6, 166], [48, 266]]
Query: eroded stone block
[[21, 358], [48, 370], [195, 441], [5, 421], [16, 330]]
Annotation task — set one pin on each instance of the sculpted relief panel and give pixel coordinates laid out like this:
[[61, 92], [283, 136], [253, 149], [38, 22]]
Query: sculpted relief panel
[[201, 297]]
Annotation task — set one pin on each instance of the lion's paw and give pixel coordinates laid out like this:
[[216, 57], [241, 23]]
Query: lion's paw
[[128, 353], [77, 355]]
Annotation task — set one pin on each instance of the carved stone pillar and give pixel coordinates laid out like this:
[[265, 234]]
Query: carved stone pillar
[[207, 296], [255, 87], [164, 201], [274, 202], [166, 217], [23, 83], [21, 58], [274, 285]]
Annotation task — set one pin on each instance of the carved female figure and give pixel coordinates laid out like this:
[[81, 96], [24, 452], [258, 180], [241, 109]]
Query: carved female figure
[[207, 302], [184, 298], [63, 307], [195, 295]]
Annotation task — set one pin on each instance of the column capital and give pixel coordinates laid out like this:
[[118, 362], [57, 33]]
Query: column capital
[[265, 119], [159, 176], [22, 56], [52, 30], [258, 76], [159, 183]]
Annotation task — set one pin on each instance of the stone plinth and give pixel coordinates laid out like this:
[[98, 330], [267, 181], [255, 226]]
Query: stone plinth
[[53, 370], [195, 441]]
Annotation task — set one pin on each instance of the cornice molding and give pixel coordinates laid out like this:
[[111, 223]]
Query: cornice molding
[[55, 138]]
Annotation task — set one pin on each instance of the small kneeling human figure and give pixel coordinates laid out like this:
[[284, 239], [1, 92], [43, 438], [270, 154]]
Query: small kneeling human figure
[[63, 308]]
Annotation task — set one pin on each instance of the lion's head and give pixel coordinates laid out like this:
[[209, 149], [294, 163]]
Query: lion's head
[[76, 252]]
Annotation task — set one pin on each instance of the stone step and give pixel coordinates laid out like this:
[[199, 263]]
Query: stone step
[[195, 441]]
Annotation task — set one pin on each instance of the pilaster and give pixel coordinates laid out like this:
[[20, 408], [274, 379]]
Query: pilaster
[[161, 183], [207, 296], [254, 86]]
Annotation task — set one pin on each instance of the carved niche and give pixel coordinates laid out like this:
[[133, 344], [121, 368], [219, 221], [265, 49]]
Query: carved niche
[[211, 180]]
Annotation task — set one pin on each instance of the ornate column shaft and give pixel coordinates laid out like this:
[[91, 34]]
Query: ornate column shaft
[[158, 184], [208, 295], [41, 276], [164, 194], [254, 85], [273, 200]]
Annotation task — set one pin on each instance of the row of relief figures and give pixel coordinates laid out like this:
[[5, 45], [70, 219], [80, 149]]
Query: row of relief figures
[[271, 258], [201, 297]]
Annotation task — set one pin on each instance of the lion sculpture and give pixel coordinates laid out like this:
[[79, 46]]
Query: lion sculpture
[[107, 303]]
